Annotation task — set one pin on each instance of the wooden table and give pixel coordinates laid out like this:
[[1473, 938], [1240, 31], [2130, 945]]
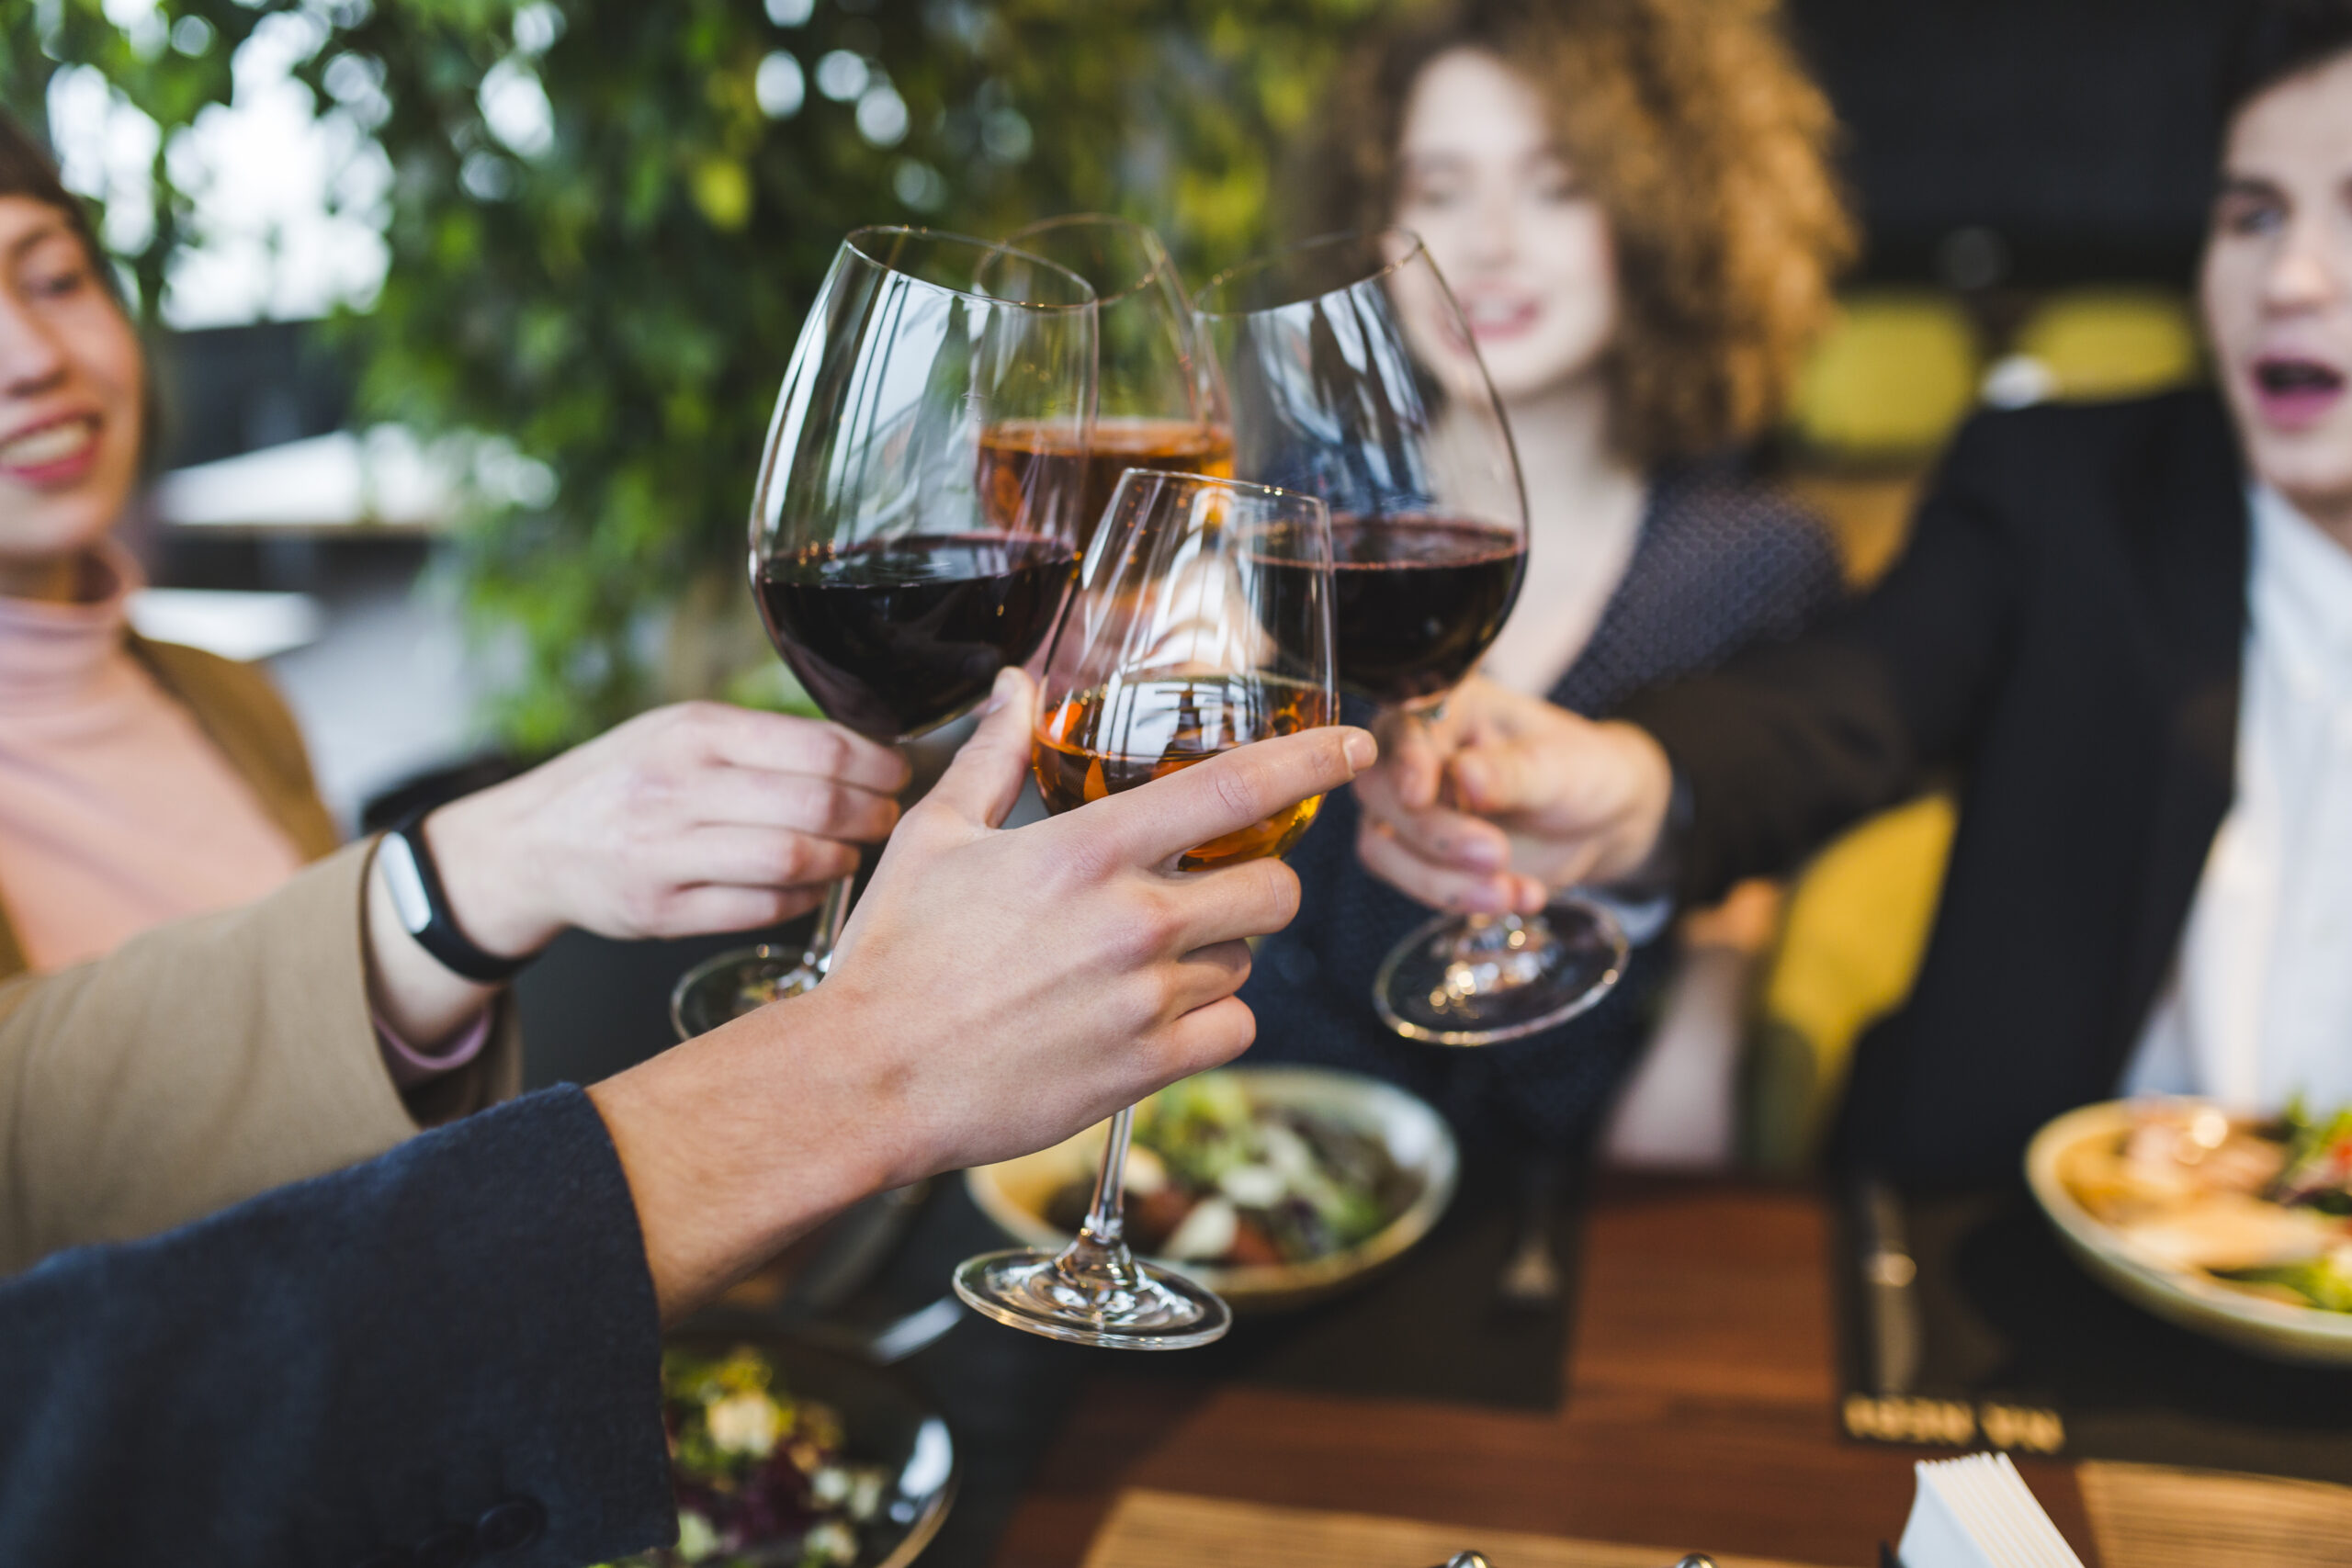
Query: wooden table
[[1701, 1415]]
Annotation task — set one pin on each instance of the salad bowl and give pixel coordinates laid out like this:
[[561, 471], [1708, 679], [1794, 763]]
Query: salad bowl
[[2139, 1264], [1020, 1195]]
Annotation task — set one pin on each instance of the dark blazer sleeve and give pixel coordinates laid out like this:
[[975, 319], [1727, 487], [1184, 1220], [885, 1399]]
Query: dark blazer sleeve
[[1790, 741], [452, 1347]]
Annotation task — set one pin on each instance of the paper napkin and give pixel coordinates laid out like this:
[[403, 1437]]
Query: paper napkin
[[1976, 1512]]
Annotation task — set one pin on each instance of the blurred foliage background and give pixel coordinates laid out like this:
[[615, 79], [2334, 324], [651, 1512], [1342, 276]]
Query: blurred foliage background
[[607, 219]]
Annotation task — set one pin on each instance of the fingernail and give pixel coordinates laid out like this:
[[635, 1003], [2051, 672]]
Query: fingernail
[[1362, 750], [1000, 693]]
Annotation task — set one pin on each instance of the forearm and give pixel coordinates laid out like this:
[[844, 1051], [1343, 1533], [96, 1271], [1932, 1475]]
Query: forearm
[[1793, 741], [349, 1366], [198, 1065]]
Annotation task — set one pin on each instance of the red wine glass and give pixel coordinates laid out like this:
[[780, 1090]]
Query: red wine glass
[[897, 566], [1203, 622], [1354, 378]]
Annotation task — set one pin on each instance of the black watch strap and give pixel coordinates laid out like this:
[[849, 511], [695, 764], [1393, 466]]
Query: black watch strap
[[414, 883]]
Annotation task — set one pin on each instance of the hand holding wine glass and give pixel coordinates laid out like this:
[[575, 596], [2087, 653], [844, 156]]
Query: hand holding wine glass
[[1505, 798], [1202, 625], [898, 561], [1354, 378]]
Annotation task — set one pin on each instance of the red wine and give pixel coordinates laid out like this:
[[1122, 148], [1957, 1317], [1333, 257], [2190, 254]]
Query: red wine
[[1416, 600], [894, 636], [1102, 742]]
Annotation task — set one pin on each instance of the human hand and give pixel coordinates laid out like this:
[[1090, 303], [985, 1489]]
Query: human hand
[[994, 991], [1506, 798], [691, 818]]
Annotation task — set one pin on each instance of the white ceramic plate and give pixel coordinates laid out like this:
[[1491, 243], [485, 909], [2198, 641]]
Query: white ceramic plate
[[1015, 1194], [2277, 1329]]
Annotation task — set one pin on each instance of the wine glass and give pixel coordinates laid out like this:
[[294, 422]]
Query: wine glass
[[1354, 378], [1203, 622], [1160, 402], [915, 525]]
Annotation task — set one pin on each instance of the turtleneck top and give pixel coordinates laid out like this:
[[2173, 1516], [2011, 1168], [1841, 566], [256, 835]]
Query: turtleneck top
[[117, 812]]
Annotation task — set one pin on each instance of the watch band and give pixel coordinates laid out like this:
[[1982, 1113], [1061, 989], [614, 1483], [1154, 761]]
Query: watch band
[[414, 883]]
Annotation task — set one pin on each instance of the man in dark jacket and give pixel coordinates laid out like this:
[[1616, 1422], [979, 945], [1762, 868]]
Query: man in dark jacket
[[2123, 628], [451, 1353]]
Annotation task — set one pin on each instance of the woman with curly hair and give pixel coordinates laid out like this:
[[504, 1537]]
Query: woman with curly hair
[[1633, 202]]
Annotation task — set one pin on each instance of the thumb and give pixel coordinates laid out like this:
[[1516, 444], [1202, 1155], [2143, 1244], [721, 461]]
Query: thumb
[[1499, 779], [1416, 748], [985, 779]]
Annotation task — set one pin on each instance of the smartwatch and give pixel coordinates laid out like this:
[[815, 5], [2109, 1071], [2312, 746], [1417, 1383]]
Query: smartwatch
[[424, 906]]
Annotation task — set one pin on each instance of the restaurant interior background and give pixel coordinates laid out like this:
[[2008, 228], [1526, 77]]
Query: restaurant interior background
[[470, 315]]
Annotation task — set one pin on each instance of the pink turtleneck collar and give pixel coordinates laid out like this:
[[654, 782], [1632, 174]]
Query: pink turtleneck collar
[[117, 812], [55, 658]]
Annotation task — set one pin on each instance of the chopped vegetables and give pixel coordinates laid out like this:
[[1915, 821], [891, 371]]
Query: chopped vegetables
[[760, 1476], [1214, 1176]]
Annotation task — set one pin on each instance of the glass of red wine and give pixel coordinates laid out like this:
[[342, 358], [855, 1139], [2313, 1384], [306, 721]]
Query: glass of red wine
[[1159, 403], [896, 565], [1354, 378], [1201, 623]]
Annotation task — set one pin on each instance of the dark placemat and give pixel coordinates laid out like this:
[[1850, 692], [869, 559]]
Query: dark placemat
[[1427, 1329], [2020, 1349], [1430, 1327]]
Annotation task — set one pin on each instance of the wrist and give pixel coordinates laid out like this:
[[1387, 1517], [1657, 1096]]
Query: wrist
[[489, 875], [738, 1142], [1643, 851]]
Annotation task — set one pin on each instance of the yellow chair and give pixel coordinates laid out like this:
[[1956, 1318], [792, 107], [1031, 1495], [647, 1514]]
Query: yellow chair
[[1891, 379], [2093, 344], [1855, 924]]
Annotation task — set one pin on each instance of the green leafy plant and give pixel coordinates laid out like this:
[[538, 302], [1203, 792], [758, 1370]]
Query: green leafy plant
[[607, 218]]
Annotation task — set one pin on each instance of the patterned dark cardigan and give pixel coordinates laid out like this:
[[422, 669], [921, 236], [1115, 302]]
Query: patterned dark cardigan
[[1722, 561]]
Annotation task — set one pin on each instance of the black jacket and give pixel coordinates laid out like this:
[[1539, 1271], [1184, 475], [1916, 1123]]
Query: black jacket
[[448, 1354], [2064, 635]]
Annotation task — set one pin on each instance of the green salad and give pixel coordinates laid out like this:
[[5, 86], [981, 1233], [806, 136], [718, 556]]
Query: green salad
[[1218, 1177]]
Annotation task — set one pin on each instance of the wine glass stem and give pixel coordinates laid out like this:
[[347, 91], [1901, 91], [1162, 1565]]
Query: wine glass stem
[[1103, 1236], [828, 929]]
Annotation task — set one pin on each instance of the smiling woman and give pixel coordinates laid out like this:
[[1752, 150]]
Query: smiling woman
[[138, 782], [141, 782]]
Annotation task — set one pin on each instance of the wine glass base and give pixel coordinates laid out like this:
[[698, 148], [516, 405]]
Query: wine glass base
[[1470, 980], [742, 980], [1142, 1307]]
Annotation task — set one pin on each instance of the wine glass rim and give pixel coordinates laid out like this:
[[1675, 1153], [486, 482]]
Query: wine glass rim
[[857, 240], [1412, 251], [1240, 486], [1162, 266]]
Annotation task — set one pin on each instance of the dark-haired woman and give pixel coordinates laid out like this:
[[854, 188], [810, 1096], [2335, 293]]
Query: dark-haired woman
[[2128, 627], [141, 783], [1630, 200]]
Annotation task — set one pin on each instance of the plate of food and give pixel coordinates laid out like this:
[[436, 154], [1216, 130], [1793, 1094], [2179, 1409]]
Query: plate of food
[[785, 1457], [2236, 1227], [1271, 1186]]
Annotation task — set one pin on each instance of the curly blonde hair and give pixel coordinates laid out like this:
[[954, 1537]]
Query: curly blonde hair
[[1708, 146]]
